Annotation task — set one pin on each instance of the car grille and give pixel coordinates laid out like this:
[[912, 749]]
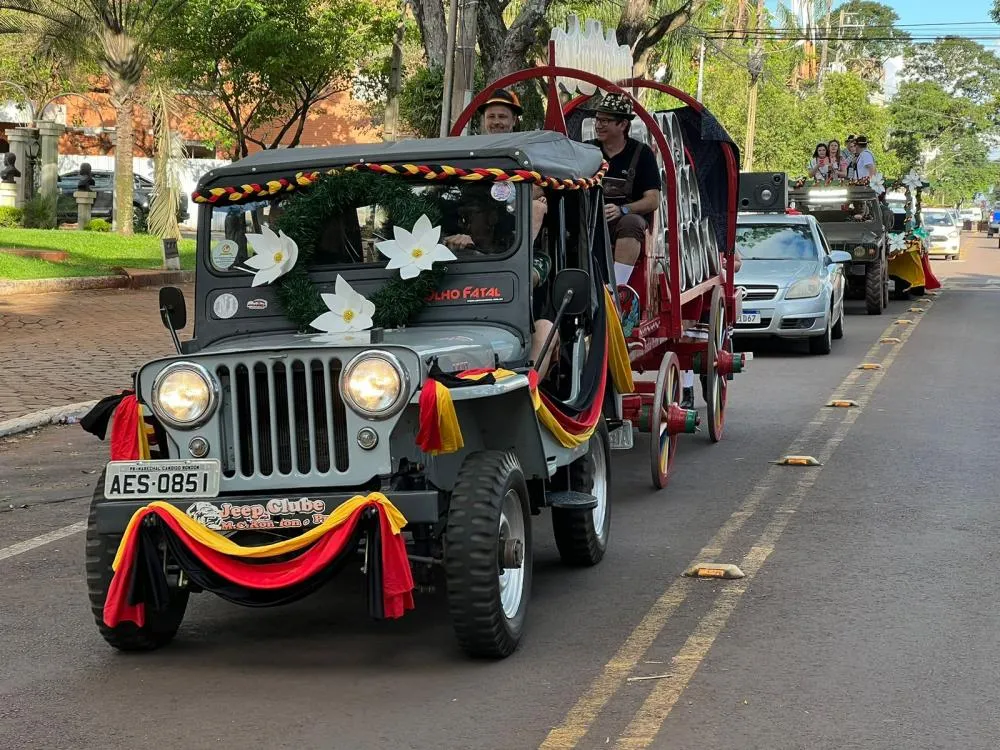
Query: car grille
[[283, 417], [759, 292]]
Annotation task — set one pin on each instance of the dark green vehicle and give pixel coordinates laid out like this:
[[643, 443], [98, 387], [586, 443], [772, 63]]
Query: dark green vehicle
[[855, 221]]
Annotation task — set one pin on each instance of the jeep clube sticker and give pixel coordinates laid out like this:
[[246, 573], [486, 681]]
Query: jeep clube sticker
[[277, 513]]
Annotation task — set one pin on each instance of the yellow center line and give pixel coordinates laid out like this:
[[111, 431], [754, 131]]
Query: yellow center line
[[648, 720], [613, 676]]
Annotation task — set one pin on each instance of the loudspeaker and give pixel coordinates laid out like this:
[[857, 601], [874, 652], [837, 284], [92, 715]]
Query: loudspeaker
[[763, 191]]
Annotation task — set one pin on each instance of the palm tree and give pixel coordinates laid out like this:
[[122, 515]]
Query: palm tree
[[115, 33]]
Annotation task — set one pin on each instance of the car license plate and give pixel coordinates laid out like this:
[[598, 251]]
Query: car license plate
[[126, 480], [749, 317]]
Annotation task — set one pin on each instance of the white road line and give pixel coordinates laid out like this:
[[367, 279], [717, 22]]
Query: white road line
[[40, 541]]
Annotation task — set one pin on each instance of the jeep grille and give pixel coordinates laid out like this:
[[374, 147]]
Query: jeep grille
[[283, 417]]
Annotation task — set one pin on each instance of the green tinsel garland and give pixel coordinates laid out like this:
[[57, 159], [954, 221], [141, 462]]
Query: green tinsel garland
[[306, 217]]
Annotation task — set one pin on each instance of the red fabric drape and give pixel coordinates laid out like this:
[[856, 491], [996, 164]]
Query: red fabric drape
[[125, 431]]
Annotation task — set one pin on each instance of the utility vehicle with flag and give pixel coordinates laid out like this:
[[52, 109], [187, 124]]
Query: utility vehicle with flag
[[854, 221], [359, 387]]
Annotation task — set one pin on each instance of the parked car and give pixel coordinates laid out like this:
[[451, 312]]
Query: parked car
[[794, 283], [945, 232], [104, 186], [972, 214], [994, 226]]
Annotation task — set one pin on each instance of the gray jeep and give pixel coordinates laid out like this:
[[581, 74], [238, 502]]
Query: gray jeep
[[262, 427], [853, 220]]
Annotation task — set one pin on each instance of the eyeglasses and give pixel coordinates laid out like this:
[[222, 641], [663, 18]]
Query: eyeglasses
[[606, 120]]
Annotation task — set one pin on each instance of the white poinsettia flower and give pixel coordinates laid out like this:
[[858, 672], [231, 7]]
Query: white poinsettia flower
[[913, 180], [416, 251], [877, 183], [897, 242], [348, 310], [274, 255]]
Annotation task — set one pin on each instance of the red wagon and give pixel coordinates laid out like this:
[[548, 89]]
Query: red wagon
[[681, 303]]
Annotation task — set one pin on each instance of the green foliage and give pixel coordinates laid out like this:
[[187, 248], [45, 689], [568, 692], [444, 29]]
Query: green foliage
[[40, 213], [98, 225], [874, 40], [259, 66], [305, 219], [10, 217], [420, 102], [962, 67]]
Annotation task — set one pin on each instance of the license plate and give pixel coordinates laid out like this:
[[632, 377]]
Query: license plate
[[621, 438], [126, 480], [748, 318]]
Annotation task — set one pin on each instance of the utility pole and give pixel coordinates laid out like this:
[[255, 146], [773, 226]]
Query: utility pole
[[755, 66], [391, 129], [826, 47], [465, 58], [701, 70], [449, 69]]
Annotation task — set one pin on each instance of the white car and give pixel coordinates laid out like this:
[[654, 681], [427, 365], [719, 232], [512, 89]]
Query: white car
[[945, 233], [971, 214], [794, 283]]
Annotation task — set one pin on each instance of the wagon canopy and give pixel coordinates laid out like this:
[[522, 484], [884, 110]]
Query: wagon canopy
[[551, 154]]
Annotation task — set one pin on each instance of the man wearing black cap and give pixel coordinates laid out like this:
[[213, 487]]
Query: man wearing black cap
[[501, 112], [631, 185]]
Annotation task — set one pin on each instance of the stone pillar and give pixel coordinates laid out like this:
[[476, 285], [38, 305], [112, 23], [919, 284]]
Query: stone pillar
[[8, 194], [84, 204], [21, 140], [49, 133]]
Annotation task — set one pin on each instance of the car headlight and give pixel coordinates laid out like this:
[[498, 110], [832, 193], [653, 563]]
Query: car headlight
[[804, 288], [184, 395], [374, 384]]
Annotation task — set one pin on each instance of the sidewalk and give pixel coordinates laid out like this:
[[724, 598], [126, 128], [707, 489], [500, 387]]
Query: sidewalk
[[67, 347]]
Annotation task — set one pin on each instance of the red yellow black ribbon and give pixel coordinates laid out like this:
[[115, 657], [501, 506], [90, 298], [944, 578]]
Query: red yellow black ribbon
[[129, 432], [253, 191], [206, 556]]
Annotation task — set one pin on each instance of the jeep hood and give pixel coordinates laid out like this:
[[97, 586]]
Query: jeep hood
[[463, 347], [859, 234]]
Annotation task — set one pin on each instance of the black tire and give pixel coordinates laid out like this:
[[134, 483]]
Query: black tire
[[160, 627], [472, 554], [874, 286], [822, 344], [918, 291], [579, 540], [838, 327]]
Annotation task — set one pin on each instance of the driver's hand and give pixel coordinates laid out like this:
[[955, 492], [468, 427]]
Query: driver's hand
[[611, 212], [459, 242]]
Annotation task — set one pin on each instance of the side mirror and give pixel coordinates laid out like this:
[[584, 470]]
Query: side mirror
[[576, 281], [173, 311], [839, 256]]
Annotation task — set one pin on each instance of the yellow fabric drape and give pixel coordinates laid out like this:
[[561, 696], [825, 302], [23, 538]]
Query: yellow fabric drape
[[219, 543], [144, 433], [566, 439], [907, 266], [618, 361], [448, 427]]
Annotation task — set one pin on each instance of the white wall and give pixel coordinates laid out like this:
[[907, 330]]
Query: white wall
[[191, 171]]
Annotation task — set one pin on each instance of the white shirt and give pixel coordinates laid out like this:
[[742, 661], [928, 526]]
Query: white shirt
[[864, 159]]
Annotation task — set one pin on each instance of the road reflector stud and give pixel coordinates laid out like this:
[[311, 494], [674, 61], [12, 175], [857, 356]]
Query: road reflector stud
[[903, 322], [842, 403], [797, 461], [870, 366], [916, 309], [890, 340], [714, 570]]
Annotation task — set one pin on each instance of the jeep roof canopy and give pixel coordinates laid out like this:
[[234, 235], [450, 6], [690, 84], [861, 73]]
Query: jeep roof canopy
[[551, 154]]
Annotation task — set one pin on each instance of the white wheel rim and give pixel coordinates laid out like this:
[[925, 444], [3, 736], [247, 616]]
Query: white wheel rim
[[600, 488], [512, 579]]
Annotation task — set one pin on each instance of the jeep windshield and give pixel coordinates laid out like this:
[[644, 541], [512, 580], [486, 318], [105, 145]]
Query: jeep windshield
[[477, 221], [839, 211]]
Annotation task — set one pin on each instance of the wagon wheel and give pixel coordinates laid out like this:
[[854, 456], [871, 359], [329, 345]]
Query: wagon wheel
[[717, 389], [663, 445]]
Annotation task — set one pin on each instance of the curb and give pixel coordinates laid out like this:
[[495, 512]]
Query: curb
[[121, 280], [55, 415]]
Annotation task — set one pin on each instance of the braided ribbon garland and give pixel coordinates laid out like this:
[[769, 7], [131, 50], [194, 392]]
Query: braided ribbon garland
[[253, 191]]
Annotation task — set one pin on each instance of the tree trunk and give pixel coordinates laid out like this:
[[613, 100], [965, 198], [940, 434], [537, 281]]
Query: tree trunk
[[123, 100], [433, 30]]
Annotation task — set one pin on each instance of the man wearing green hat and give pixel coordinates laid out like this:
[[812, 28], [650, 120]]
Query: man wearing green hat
[[632, 184]]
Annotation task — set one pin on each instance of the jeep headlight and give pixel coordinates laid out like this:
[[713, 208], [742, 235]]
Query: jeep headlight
[[374, 384], [184, 395], [805, 288]]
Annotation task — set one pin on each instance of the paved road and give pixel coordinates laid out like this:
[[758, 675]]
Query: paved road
[[866, 620]]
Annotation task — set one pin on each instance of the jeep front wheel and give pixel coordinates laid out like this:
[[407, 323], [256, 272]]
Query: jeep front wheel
[[488, 554], [161, 626]]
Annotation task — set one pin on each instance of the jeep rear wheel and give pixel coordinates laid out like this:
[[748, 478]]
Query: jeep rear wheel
[[582, 535], [160, 627], [874, 287], [488, 554]]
